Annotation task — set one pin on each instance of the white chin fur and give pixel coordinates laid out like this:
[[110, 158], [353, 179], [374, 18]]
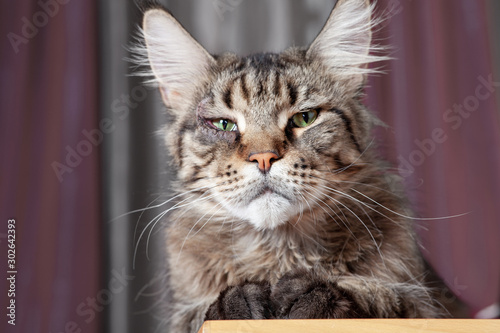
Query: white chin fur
[[267, 212]]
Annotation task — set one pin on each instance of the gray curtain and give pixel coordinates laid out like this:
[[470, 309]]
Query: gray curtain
[[135, 171]]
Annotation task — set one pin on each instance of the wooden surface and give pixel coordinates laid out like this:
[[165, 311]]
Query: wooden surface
[[353, 325]]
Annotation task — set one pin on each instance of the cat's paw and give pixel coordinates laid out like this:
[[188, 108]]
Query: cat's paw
[[303, 296], [245, 301]]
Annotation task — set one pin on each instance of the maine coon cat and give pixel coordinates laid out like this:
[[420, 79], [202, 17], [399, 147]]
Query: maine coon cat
[[283, 208]]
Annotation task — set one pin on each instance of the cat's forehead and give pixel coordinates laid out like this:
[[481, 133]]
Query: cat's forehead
[[264, 86]]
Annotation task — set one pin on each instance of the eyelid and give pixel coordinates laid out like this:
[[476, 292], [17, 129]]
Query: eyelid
[[209, 122], [317, 109]]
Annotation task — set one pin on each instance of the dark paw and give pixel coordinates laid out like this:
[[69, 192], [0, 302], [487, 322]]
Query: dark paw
[[246, 301], [302, 296]]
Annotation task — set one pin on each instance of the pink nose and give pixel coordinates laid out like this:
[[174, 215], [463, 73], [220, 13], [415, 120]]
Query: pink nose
[[264, 159]]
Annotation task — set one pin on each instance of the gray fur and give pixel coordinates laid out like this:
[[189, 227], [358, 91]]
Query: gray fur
[[325, 232]]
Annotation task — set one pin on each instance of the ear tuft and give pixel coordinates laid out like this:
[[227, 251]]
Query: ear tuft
[[177, 62], [345, 43]]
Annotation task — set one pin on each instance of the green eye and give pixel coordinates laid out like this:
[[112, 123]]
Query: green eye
[[224, 125], [303, 119]]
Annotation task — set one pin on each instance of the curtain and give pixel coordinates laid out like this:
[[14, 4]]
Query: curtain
[[135, 175], [439, 100], [80, 150], [49, 178]]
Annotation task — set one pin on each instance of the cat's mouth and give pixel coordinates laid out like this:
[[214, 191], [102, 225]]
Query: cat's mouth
[[265, 206], [267, 191]]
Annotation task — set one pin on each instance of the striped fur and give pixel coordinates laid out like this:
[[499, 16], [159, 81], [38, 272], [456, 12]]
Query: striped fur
[[326, 211]]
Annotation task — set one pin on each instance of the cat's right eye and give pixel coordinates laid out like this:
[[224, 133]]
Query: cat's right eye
[[224, 125]]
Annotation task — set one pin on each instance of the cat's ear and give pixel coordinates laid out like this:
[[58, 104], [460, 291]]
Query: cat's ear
[[344, 44], [178, 62]]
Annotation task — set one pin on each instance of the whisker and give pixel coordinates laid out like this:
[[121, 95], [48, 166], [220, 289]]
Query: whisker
[[157, 206], [345, 225], [410, 217], [336, 171], [360, 206], [367, 185], [366, 227], [294, 225], [209, 219], [154, 221], [310, 208], [158, 217], [140, 216], [196, 223], [360, 202]]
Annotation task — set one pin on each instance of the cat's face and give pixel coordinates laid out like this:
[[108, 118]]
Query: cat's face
[[265, 137], [274, 137]]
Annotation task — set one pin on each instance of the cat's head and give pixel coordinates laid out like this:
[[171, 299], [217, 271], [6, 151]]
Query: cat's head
[[266, 137]]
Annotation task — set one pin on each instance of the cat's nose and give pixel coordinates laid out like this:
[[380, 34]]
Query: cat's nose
[[264, 159]]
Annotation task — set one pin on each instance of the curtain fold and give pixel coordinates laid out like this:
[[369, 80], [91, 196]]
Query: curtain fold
[[134, 176]]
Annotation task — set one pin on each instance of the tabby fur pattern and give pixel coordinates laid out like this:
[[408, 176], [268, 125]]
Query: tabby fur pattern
[[318, 230]]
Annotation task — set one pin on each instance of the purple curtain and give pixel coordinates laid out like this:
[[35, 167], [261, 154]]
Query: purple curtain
[[439, 102], [49, 167]]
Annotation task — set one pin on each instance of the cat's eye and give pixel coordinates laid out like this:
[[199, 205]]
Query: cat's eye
[[303, 119], [224, 125]]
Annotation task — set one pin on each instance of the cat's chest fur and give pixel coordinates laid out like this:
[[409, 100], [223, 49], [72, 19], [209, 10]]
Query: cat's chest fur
[[268, 257], [231, 253]]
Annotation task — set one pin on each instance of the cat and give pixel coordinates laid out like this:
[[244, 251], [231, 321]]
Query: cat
[[283, 209]]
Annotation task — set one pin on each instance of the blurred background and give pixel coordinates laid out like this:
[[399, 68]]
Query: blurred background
[[79, 145]]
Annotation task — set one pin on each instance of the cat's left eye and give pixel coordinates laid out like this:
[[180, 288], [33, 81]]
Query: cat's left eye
[[303, 119], [224, 125]]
